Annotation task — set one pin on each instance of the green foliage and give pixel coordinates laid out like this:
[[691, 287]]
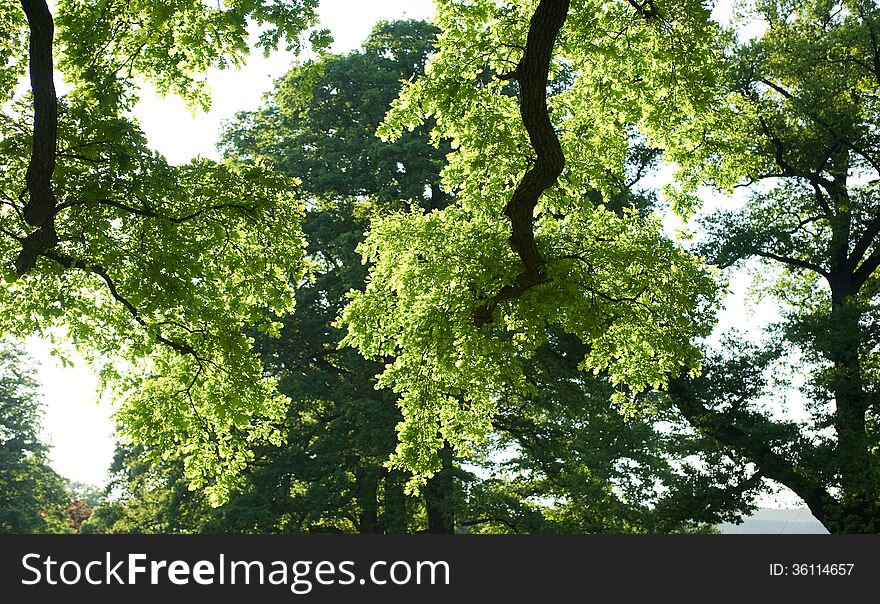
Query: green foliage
[[328, 474], [158, 268], [806, 86], [564, 460], [105, 44], [796, 120], [13, 53], [560, 456], [33, 498], [319, 123], [146, 494], [632, 296]]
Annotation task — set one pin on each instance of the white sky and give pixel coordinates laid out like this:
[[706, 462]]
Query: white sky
[[180, 136], [79, 427]]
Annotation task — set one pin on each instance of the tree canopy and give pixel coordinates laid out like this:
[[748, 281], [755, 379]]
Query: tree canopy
[[561, 458], [33, 497], [796, 120], [319, 124], [460, 297], [157, 267], [487, 282]]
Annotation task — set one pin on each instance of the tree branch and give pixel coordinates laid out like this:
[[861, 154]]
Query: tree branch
[[790, 171], [150, 213], [73, 263], [532, 74], [866, 268], [646, 9], [865, 241], [820, 199], [833, 132], [39, 211], [796, 262], [770, 464]]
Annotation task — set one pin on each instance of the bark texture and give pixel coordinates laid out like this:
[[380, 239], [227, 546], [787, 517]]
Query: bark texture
[[532, 75]]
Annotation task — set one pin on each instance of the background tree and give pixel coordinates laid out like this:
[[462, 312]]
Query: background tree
[[319, 124], [33, 497], [565, 460], [797, 121], [147, 494]]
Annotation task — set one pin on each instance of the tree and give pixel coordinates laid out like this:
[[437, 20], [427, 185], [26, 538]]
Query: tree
[[156, 266], [320, 124], [461, 298], [797, 121], [147, 494], [575, 464], [571, 444], [572, 463], [33, 497]]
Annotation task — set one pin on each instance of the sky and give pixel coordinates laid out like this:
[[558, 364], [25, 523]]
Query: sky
[[180, 135], [79, 426]]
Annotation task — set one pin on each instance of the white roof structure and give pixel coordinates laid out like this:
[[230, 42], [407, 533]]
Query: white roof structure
[[767, 521]]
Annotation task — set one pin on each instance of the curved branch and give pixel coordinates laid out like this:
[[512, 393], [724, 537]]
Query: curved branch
[[150, 213], [769, 463], [795, 262], [865, 270], [100, 271], [827, 126], [646, 9], [532, 74]]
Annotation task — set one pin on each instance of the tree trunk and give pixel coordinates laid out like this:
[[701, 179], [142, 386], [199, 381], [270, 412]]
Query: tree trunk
[[368, 490], [858, 510], [440, 495], [395, 515]]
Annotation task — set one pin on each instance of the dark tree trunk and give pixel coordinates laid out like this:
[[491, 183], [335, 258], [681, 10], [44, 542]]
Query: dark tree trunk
[[395, 516], [368, 500], [440, 495], [40, 209], [858, 509], [439, 198], [532, 74]]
